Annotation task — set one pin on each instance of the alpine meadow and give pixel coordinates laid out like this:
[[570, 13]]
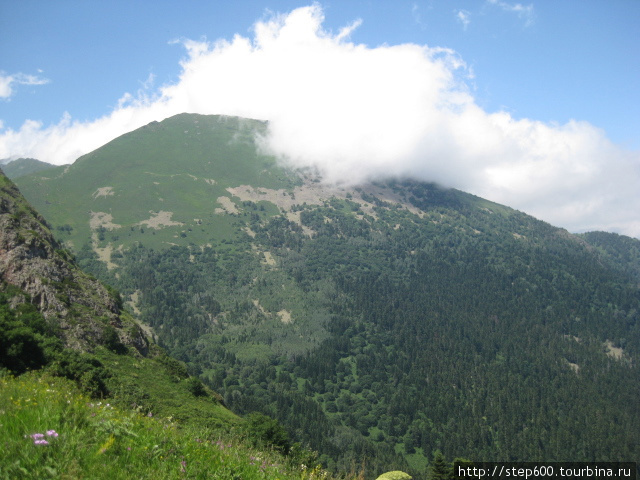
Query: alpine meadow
[[391, 325]]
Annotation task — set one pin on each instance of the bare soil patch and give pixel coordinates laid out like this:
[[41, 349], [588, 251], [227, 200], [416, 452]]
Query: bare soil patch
[[316, 193], [103, 192], [268, 258], [102, 219], [160, 220], [227, 205], [612, 351], [285, 317]]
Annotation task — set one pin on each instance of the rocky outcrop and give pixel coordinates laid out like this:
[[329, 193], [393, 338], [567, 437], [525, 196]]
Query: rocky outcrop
[[79, 306]]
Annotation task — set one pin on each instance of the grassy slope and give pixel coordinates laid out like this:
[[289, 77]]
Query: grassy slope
[[93, 439], [182, 165], [24, 166]]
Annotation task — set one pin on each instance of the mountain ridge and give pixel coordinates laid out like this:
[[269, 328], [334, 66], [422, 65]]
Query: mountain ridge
[[23, 166]]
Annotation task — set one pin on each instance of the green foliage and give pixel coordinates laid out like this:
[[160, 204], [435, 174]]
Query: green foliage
[[621, 251], [440, 468], [266, 431], [111, 340], [174, 368], [195, 387], [28, 343], [23, 339], [86, 370]]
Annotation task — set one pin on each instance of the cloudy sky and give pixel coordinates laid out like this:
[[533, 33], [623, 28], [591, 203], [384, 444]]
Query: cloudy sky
[[534, 105]]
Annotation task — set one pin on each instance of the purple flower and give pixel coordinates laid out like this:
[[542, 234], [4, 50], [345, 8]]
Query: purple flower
[[52, 433], [149, 414], [41, 442], [36, 436]]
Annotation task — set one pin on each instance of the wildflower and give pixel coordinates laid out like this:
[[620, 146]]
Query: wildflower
[[52, 433], [149, 414], [40, 442], [37, 436], [107, 445], [183, 464]]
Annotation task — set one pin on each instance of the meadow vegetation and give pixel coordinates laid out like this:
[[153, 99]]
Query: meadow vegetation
[[50, 429]]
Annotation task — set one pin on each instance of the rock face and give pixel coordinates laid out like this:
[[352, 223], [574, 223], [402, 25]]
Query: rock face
[[79, 306]]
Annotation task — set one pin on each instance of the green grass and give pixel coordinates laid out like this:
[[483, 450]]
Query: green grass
[[83, 438], [160, 385]]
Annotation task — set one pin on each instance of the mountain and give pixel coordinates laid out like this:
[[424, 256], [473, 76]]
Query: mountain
[[383, 323], [140, 183], [23, 166]]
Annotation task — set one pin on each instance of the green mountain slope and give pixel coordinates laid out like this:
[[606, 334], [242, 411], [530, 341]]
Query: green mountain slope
[[166, 179], [381, 323], [619, 250], [24, 166]]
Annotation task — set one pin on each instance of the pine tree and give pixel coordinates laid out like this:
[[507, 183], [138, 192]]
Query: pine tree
[[440, 468]]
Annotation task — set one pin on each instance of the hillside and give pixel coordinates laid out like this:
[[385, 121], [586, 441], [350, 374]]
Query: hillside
[[23, 166], [619, 251], [140, 188], [385, 322]]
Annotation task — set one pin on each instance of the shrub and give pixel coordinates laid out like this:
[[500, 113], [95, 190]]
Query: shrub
[[264, 430], [195, 387]]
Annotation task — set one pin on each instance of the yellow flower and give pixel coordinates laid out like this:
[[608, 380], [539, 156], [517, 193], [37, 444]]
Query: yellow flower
[[107, 445]]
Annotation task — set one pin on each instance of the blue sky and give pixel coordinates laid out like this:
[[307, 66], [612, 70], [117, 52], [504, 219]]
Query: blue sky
[[543, 78]]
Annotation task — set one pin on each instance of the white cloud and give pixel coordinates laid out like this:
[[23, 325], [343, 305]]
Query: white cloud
[[525, 12], [357, 112], [417, 16], [464, 17], [8, 82]]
